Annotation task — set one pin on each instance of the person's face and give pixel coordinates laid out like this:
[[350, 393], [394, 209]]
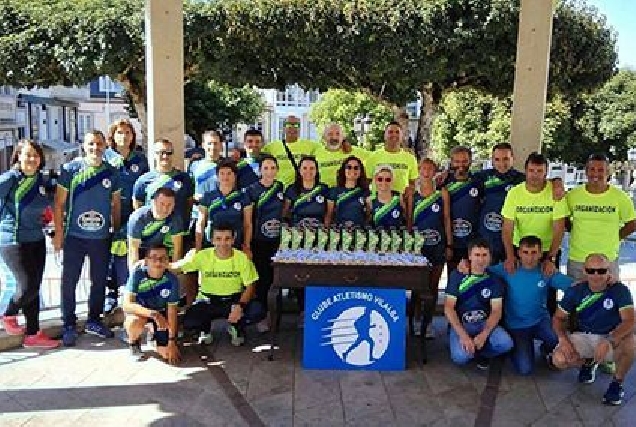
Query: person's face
[[227, 177], [502, 160], [393, 136], [123, 136], [535, 174], [163, 206], [460, 162], [252, 145], [597, 171], [308, 170], [222, 240], [384, 180], [529, 255], [29, 159], [479, 258], [292, 129], [94, 146], [427, 170], [164, 153], [597, 272], [333, 136], [157, 259], [269, 169], [352, 170], [212, 146]]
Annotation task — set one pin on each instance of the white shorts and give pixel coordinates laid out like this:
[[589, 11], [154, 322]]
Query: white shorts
[[585, 345]]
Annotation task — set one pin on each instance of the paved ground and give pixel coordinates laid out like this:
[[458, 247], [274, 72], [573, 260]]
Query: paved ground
[[97, 383]]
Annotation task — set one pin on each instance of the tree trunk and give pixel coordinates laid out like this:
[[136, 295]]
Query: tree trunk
[[402, 117], [430, 100], [137, 91]]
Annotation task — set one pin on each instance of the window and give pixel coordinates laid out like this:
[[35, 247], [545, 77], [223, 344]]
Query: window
[[85, 123]]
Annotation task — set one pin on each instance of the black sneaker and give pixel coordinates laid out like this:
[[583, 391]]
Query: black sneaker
[[482, 363], [587, 373], [614, 394], [135, 351]]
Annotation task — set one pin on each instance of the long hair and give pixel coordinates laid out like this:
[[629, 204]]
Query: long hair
[[110, 140], [15, 158], [362, 182], [298, 182]]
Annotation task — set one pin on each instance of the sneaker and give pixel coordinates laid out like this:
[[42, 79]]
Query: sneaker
[[94, 327], [587, 373], [135, 351], [110, 303], [614, 394], [430, 332], [482, 363], [263, 326], [69, 336], [608, 368], [236, 335], [40, 340], [11, 325], [205, 338]]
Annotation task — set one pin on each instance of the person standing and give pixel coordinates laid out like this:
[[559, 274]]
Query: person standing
[[306, 200], [249, 167], [330, 155], [387, 208], [346, 203]]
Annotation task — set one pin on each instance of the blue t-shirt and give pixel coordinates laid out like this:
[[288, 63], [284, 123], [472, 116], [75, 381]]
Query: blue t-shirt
[[428, 219], [203, 173], [142, 225], [496, 186], [473, 295], [225, 209], [465, 200], [23, 200], [248, 172], [387, 215], [349, 206], [180, 182], [155, 294], [309, 207], [88, 203], [525, 304], [597, 312], [267, 209]]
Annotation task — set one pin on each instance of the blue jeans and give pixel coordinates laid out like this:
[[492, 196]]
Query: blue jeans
[[498, 342], [523, 352], [98, 252]]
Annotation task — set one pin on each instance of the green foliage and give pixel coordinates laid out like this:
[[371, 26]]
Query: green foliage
[[342, 107]]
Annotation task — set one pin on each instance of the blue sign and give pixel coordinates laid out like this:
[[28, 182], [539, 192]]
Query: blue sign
[[354, 329]]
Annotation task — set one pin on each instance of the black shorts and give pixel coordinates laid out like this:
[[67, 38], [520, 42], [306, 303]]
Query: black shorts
[[160, 337]]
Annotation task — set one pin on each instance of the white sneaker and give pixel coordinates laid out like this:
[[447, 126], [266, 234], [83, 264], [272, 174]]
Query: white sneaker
[[430, 332], [263, 326]]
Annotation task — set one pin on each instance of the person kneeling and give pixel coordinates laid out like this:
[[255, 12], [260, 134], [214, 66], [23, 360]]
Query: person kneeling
[[473, 308], [226, 278], [605, 314], [152, 297]]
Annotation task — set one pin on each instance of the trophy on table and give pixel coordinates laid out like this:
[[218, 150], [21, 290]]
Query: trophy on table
[[346, 239], [385, 241], [418, 241], [309, 238], [409, 240], [396, 240], [373, 240], [322, 239], [296, 237], [360, 237], [285, 237], [334, 239]]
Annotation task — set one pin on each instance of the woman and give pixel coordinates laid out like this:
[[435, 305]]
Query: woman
[[387, 208], [265, 198], [306, 198], [346, 204], [225, 205], [131, 164], [430, 217], [23, 191]]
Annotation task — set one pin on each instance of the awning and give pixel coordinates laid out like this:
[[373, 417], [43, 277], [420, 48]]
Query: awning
[[33, 99]]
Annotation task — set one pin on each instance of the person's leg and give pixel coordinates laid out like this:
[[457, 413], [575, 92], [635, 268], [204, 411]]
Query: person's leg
[[522, 354], [98, 254], [262, 257], [134, 326], [457, 352], [34, 258], [72, 263], [544, 332], [198, 317], [499, 342], [253, 313], [552, 292], [624, 357]]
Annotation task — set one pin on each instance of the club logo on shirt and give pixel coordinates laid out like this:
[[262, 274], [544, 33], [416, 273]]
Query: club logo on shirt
[[309, 222], [361, 200], [164, 229], [320, 199], [134, 168], [280, 196], [493, 222], [106, 182], [431, 237], [508, 187], [462, 228], [91, 221], [271, 228], [608, 304], [395, 214], [435, 207], [42, 190], [237, 206], [541, 284], [178, 185], [474, 192], [165, 293], [485, 293], [474, 316]]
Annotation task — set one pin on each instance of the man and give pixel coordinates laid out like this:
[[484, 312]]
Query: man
[[248, 168], [155, 224], [226, 278], [152, 297], [601, 216], [297, 147], [473, 309], [605, 332], [403, 163], [203, 171], [86, 207], [331, 155]]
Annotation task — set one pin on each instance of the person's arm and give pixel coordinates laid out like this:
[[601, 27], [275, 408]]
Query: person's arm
[[58, 216], [329, 215], [139, 194], [199, 230], [558, 229], [506, 236], [286, 210], [451, 315], [131, 306], [173, 324], [369, 211], [247, 230], [133, 252], [559, 324], [448, 225], [492, 321], [628, 228], [177, 247], [116, 210]]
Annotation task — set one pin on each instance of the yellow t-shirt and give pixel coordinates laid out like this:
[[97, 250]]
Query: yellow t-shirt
[[221, 277], [330, 161], [596, 221], [302, 147], [533, 213], [403, 163]]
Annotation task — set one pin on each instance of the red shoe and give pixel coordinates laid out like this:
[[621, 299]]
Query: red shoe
[[39, 340], [11, 325]]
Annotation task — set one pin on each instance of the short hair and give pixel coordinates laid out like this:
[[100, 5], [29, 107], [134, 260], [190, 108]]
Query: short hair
[[536, 159], [362, 182], [598, 157], [429, 161], [479, 242], [15, 157], [223, 226], [156, 247], [530, 241], [383, 168], [163, 141], [462, 149], [113, 128], [227, 164], [298, 182], [332, 125], [95, 132], [502, 146], [392, 123], [212, 133], [253, 132], [267, 157], [164, 191], [597, 255]]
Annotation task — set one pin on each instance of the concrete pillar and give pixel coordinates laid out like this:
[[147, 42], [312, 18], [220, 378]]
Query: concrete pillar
[[164, 74], [531, 77]]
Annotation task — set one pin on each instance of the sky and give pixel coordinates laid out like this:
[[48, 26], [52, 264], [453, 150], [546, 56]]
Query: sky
[[620, 15]]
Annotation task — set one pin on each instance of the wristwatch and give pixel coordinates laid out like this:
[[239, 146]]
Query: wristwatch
[[552, 259]]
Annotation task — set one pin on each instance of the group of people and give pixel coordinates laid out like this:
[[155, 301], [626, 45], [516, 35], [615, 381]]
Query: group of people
[[203, 239]]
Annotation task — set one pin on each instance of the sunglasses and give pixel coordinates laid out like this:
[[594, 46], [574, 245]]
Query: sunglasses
[[164, 152], [381, 179], [352, 167], [596, 270], [292, 125]]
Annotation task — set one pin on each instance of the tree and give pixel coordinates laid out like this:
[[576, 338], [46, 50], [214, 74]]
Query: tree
[[342, 107]]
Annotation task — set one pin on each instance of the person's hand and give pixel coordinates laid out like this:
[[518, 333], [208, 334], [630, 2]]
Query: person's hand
[[440, 178], [467, 344], [174, 356], [558, 190], [140, 263], [162, 323], [601, 351], [548, 268], [248, 251], [568, 350], [463, 266], [449, 254], [346, 147], [510, 264], [480, 340], [58, 242], [235, 314]]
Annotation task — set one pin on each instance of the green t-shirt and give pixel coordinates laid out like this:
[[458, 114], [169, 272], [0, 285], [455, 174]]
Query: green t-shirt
[[403, 163], [302, 147], [330, 161], [596, 221], [533, 213], [220, 277]]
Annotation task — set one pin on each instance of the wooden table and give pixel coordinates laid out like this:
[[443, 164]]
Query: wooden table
[[298, 276]]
